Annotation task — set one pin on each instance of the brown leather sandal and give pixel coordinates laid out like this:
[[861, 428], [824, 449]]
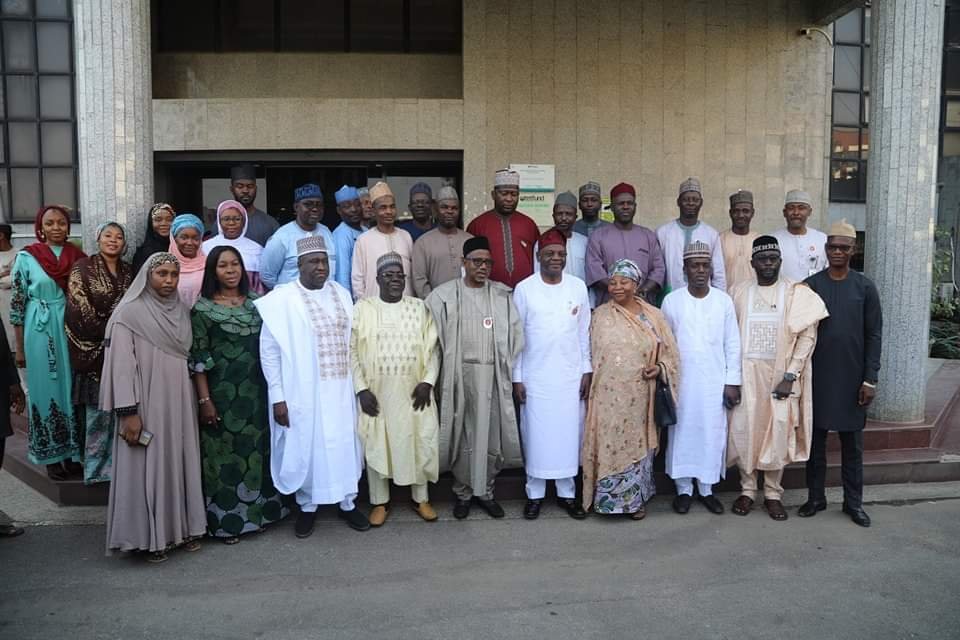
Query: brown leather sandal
[[742, 505]]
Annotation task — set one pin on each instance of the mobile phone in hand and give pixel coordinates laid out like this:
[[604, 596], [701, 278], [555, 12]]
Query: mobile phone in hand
[[145, 437]]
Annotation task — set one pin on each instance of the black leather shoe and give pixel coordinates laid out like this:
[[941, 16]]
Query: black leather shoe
[[356, 520], [572, 507], [858, 515], [809, 508], [304, 526], [711, 503], [493, 509], [681, 504], [462, 509], [531, 510]]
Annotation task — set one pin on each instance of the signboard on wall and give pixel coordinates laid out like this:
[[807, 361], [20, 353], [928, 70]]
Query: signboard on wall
[[537, 184]]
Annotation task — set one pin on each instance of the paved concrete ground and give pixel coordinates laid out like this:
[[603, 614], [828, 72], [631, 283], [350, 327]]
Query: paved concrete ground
[[697, 576]]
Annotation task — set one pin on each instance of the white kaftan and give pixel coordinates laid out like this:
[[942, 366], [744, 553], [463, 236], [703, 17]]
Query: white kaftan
[[802, 255], [556, 354], [708, 338], [306, 363], [674, 238]]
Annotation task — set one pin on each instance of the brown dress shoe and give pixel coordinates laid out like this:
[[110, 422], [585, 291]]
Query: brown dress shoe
[[742, 505], [425, 510], [379, 515], [775, 509]]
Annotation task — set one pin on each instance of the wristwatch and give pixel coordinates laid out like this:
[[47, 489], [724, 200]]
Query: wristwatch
[[790, 377]]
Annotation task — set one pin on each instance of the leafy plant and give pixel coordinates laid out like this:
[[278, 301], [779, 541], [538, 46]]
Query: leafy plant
[[945, 340], [943, 265]]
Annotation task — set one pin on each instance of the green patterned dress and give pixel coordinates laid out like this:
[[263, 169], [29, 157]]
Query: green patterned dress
[[239, 492]]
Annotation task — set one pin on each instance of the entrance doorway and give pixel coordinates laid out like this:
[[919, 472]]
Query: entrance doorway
[[198, 182]]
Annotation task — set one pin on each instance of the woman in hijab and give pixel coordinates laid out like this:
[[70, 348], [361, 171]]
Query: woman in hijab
[[231, 231], [234, 431], [620, 434], [95, 286], [156, 497], [186, 236], [157, 238], [36, 312]]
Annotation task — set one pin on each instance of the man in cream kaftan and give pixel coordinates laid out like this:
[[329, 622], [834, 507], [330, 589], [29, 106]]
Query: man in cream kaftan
[[314, 450], [395, 361], [736, 242], [771, 427], [704, 323], [551, 375]]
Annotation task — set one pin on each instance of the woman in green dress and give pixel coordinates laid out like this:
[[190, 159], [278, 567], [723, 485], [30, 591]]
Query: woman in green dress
[[37, 314], [232, 394]]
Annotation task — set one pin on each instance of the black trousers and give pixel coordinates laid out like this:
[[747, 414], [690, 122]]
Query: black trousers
[[851, 466], [3, 446]]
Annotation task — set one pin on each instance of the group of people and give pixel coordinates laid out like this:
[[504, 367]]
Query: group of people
[[264, 365]]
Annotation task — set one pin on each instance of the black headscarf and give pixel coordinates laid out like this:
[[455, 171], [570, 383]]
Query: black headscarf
[[153, 242]]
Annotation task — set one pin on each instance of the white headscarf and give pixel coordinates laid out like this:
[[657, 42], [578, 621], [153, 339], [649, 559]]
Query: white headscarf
[[249, 250]]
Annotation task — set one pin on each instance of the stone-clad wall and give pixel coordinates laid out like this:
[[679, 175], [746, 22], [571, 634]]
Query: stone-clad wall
[[648, 91], [306, 75]]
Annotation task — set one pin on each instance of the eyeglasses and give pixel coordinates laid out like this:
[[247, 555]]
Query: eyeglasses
[[839, 248], [479, 262], [313, 205]]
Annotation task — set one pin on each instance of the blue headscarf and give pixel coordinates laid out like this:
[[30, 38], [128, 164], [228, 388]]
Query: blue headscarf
[[183, 221]]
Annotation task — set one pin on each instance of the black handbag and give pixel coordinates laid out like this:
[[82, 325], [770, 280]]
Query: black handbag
[[664, 406]]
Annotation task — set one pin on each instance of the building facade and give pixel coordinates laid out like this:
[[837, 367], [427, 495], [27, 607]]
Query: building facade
[[111, 105]]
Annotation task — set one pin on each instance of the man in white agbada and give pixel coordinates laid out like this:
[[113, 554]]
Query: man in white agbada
[[801, 247], [676, 235], [551, 376], [704, 323], [304, 353], [772, 426], [395, 360]]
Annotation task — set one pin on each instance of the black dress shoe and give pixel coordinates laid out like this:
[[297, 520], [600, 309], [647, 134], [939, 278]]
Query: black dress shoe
[[681, 504], [531, 510], [462, 509], [809, 508], [572, 507], [858, 515], [711, 503], [493, 509], [356, 520], [304, 525]]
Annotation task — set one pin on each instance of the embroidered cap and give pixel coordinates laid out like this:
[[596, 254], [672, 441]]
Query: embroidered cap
[[506, 178], [311, 244], [765, 243], [696, 249], [690, 184], [387, 260]]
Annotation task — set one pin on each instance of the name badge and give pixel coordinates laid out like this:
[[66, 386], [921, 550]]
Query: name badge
[[488, 323]]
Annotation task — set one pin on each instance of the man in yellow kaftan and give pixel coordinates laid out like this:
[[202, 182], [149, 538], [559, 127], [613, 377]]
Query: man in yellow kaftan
[[395, 358]]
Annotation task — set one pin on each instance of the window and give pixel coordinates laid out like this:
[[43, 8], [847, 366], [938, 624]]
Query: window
[[950, 116], [38, 150], [400, 26], [850, 139]]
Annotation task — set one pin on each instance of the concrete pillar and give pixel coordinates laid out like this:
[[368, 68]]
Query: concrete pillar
[[906, 55], [114, 115]]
